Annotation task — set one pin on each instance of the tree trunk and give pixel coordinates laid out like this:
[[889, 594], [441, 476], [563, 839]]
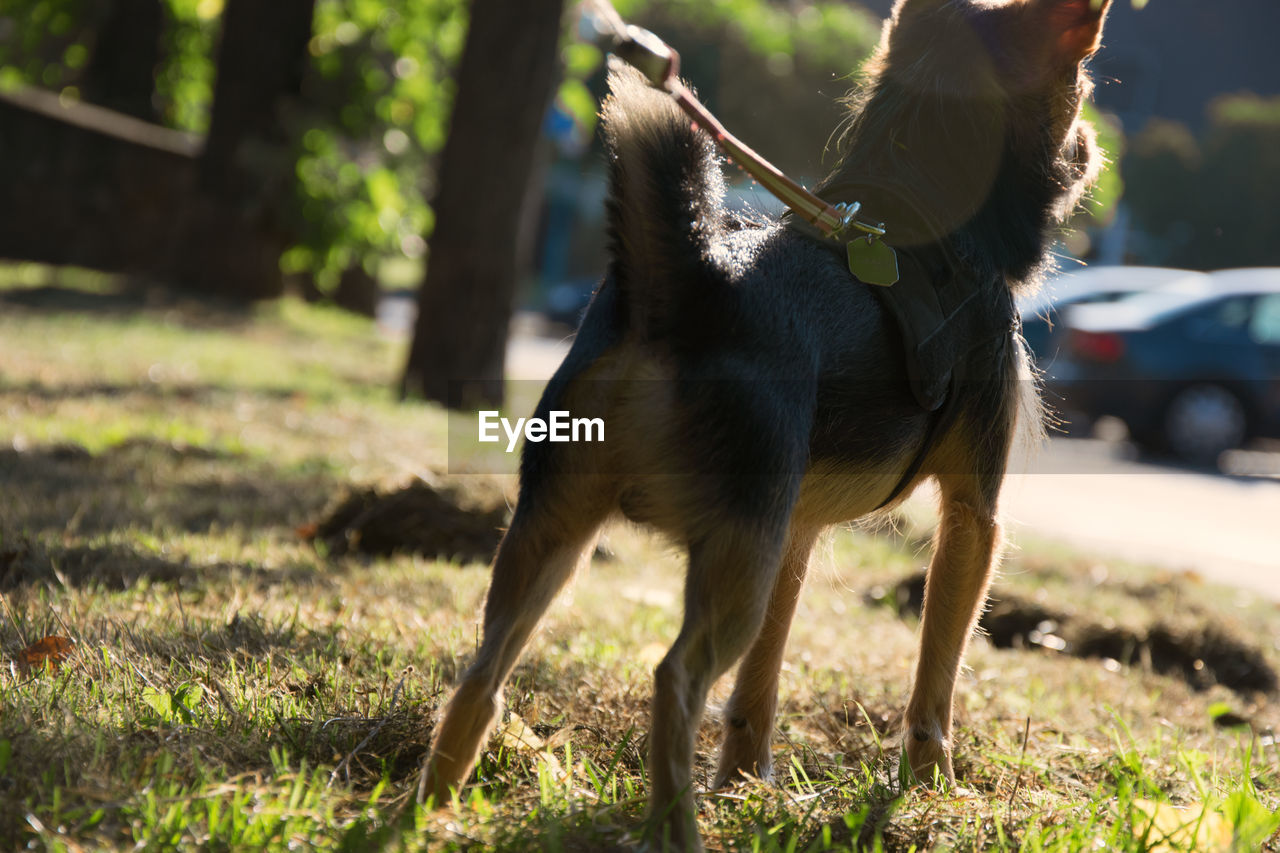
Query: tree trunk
[[505, 82], [262, 59], [234, 234], [121, 74], [358, 291]]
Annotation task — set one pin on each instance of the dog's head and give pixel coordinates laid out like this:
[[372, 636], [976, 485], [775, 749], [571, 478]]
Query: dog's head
[[992, 48], [966, 101]]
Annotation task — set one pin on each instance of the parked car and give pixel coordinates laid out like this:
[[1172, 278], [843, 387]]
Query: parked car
[[1192, 370], [1042, 312]]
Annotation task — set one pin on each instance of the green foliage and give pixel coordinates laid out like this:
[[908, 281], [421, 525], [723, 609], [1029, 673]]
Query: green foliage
[[379, 95], [45, 42], [1211, 202], [1109, 188], [380, 102], [377, 110], [825, 34], [49, 44], [773, 73], [184, 80]]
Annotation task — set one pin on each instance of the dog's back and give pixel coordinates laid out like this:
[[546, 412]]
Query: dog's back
[[728, 356], [732, 356]]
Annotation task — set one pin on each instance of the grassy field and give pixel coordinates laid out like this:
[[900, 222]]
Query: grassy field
[[234, 684]]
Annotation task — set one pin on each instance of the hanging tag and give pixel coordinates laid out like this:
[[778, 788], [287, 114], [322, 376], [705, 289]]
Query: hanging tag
[[873, 261]]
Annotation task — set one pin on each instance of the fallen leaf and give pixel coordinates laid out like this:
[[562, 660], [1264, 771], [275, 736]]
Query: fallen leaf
[[50, 651], [517, 736], [560, 738], [307, 531], [1169, 828]]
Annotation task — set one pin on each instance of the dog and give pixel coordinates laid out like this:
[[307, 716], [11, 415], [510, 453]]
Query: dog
[[756, 392]]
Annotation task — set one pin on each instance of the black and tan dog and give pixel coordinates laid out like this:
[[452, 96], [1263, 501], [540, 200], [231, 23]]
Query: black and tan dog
[[755, 392]]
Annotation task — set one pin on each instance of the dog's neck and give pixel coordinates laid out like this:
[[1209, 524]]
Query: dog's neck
[[957, 175]]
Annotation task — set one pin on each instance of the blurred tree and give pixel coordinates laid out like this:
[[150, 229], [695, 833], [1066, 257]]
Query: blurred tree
[[376, 96], [1239, 183], [81, 48], [121, 70], [234, 232], [1158, 169], [504, 84], [46, 42], [1213, 203], [774, 72], [382, 84], [185, 75], [377, 101]]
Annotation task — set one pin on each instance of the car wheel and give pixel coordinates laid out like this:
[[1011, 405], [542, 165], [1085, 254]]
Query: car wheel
[[1201, 421]]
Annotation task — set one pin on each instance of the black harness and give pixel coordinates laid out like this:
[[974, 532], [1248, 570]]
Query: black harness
[[943, 316]]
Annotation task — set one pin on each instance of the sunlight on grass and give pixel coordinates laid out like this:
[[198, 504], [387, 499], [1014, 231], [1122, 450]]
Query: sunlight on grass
[[233, 687]]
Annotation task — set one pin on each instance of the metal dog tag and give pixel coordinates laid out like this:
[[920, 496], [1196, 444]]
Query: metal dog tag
[[873, 261]]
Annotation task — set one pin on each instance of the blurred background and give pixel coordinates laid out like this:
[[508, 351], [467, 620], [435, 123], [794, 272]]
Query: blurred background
[[434, 165]]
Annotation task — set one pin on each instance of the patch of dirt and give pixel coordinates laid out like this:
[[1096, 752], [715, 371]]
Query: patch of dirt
[[1201, 653], [437, 523]]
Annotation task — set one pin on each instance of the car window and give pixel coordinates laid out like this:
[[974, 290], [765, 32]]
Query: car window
[[1161, 305], [1222, 321], [1265, 328]]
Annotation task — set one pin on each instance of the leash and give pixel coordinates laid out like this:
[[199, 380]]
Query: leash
[[869, 257]]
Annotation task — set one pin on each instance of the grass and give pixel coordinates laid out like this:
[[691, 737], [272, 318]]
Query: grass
[[232, 688]]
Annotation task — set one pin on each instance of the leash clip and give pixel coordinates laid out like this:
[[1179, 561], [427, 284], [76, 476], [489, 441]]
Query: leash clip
[[848, 212], [648, 54]]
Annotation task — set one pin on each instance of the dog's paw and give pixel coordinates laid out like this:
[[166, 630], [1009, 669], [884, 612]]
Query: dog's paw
[[744, 756], [927, 760]]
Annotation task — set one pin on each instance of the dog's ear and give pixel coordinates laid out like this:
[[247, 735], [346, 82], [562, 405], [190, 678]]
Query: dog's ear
[[1076, 27]]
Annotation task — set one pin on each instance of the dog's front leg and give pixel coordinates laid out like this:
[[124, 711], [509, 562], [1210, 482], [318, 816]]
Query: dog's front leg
[[955, 590], [750, 714]]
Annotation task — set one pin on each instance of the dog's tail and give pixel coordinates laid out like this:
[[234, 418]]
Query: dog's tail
[[665, 197]]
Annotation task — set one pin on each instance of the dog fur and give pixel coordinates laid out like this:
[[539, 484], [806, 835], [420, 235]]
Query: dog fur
[[756, 393]]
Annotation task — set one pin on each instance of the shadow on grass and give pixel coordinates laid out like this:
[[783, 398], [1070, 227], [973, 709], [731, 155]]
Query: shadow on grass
[[180, 392], [153, 487], [60, 501], [123, 299], [118, 567]]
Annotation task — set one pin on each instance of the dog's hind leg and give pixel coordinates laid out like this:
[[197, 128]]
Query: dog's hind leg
[[965, 550], [750, 714], [537, 556], [731, 571]]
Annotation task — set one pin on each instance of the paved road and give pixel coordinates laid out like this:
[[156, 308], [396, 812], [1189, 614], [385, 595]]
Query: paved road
[[1091, 495]]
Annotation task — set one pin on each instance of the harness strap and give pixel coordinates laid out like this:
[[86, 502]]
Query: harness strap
[[939, 420]]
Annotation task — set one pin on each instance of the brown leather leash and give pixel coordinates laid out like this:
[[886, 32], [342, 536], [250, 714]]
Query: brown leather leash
[[870, 258]]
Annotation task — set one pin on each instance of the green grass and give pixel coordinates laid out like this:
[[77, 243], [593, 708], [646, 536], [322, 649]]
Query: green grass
[[232, 688]]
